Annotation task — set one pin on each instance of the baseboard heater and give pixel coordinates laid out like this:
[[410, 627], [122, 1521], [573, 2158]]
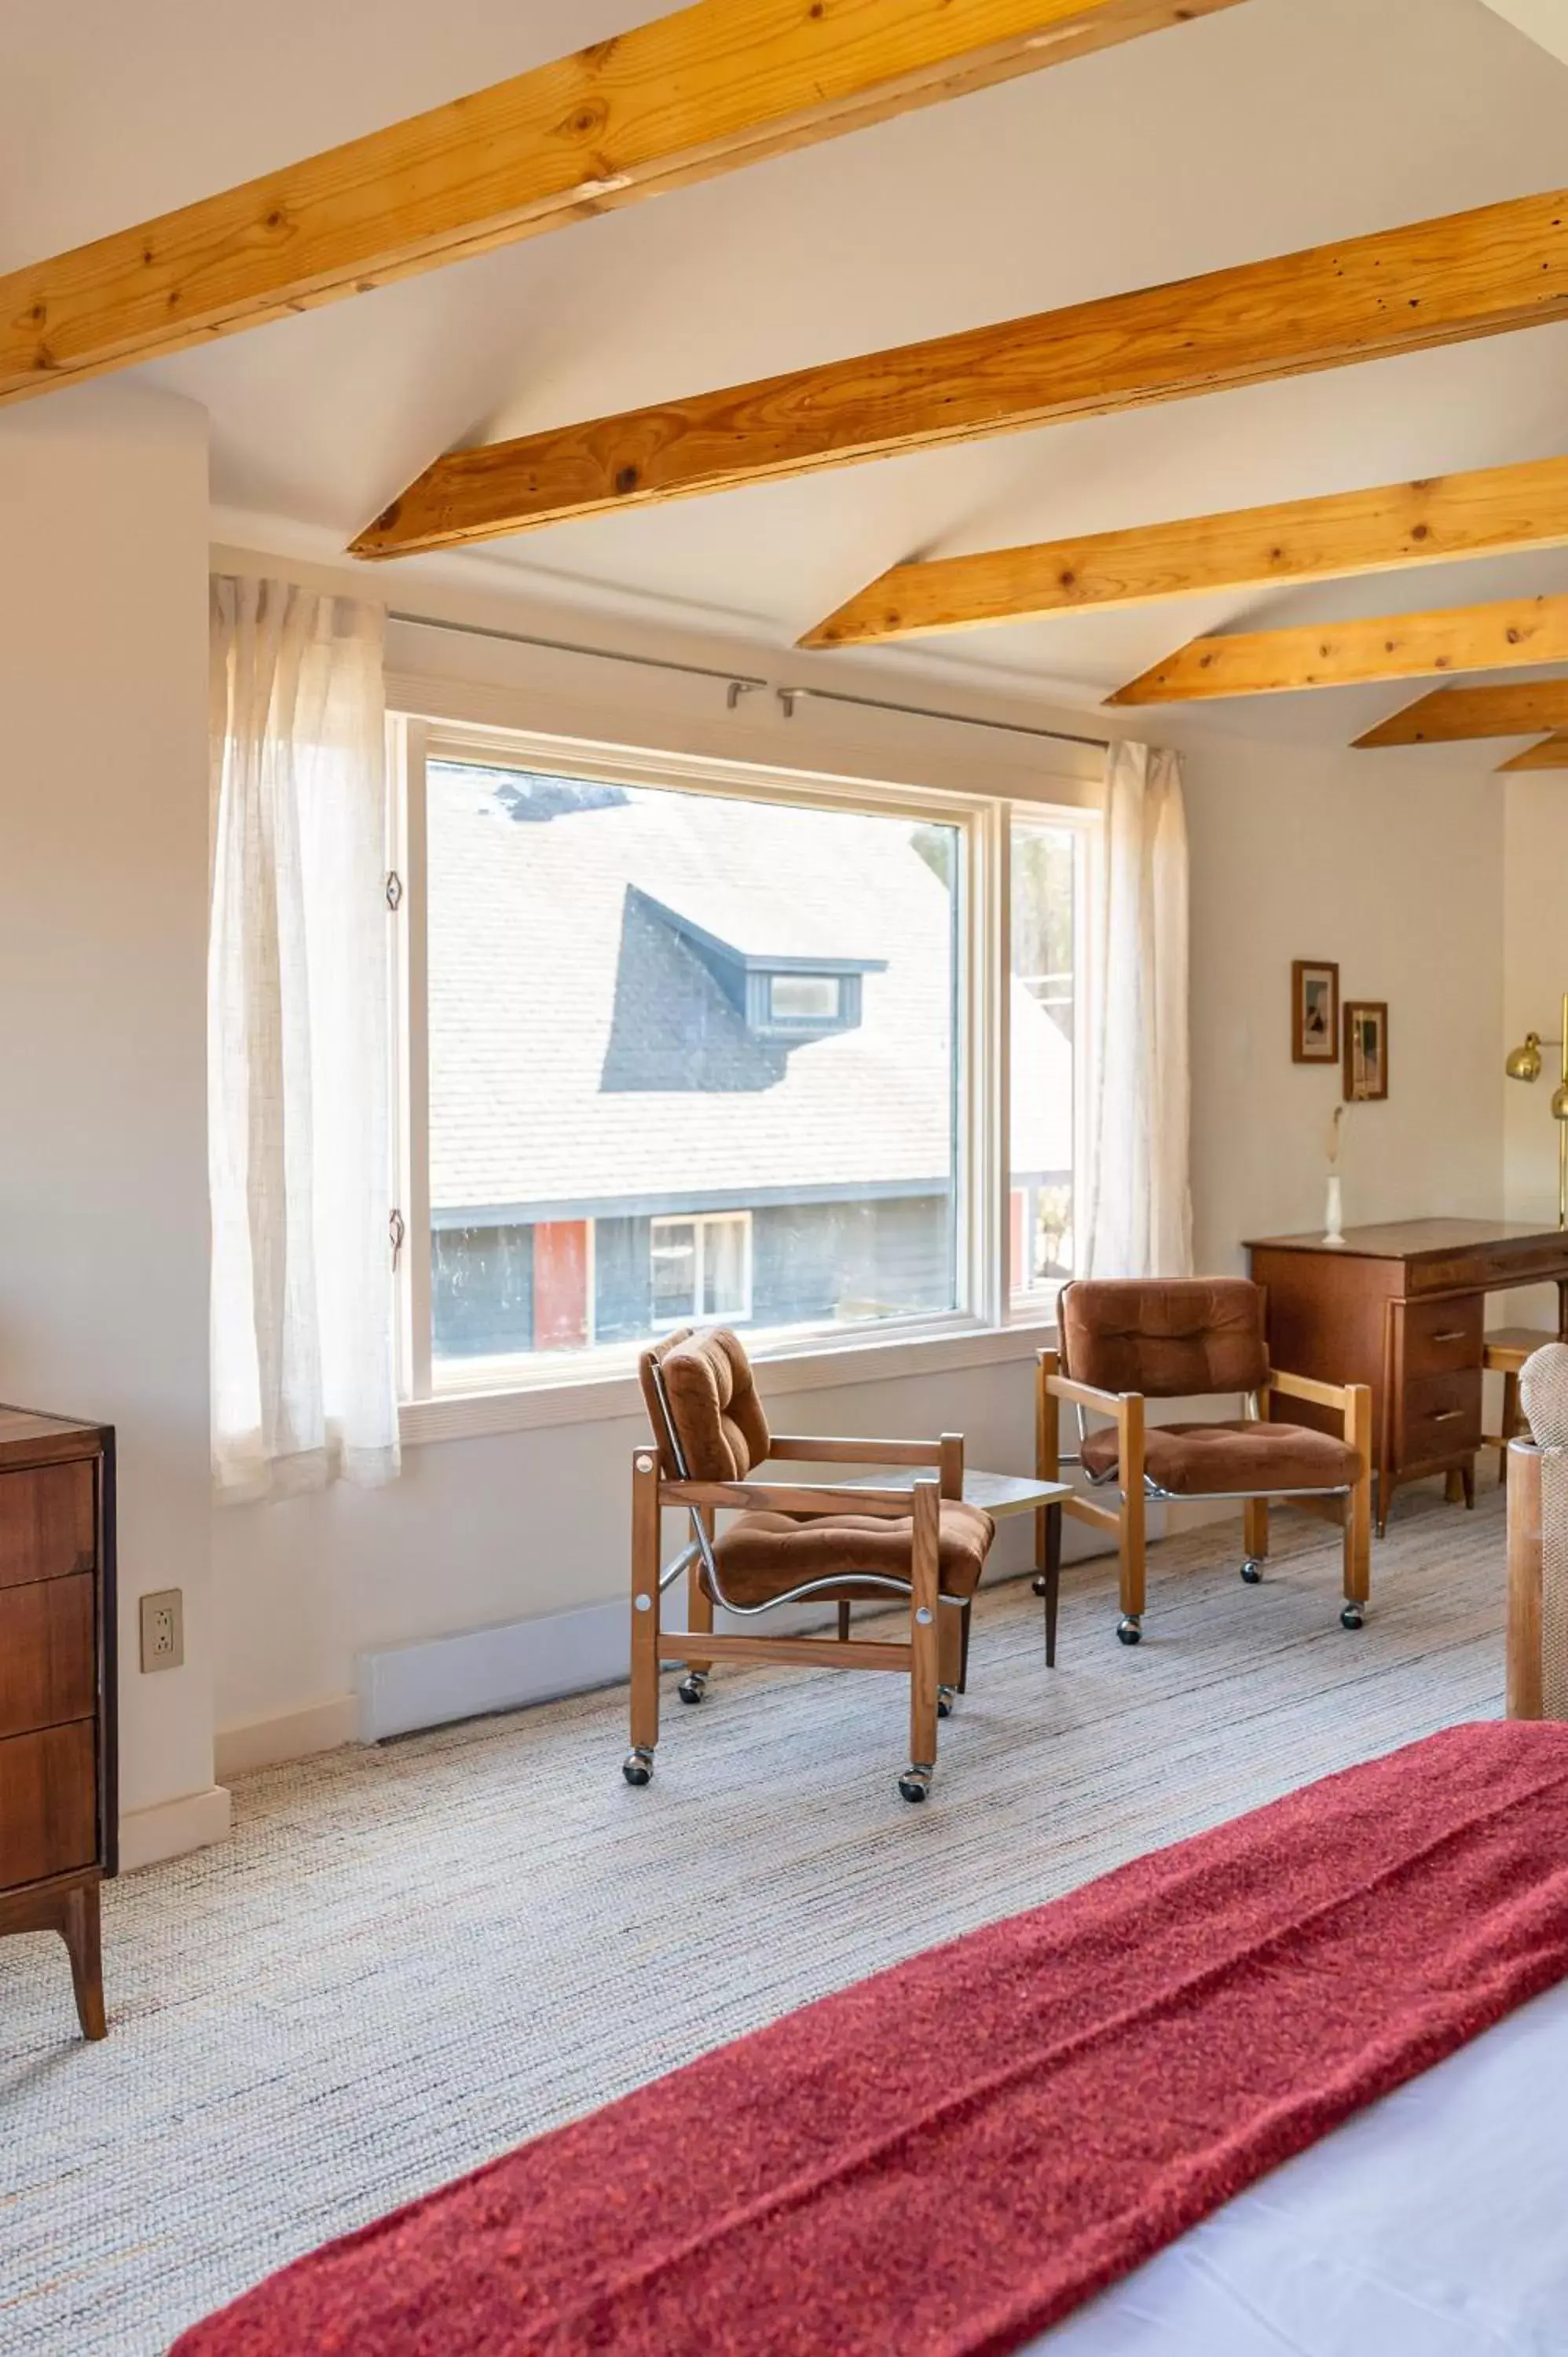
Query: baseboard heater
[[407, 1687]]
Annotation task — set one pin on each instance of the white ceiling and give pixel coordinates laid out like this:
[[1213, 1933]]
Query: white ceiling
[[1545, 21], [1277, 124]]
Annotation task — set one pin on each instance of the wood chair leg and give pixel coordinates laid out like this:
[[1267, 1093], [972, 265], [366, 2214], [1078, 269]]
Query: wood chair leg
[[1510, 1423], [1358, 1510], [1135, 1520], [637, 1765], [967, 1621], [950, 1648], [925, 1643], [698, 1619], [80, 1928], [1255, 1532], [844, 1621]]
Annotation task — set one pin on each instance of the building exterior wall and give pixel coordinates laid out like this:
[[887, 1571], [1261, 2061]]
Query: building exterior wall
[[811, 1264]]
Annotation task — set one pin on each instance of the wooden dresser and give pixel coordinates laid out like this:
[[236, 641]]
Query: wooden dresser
[[1403, 1307], [59, 1807]]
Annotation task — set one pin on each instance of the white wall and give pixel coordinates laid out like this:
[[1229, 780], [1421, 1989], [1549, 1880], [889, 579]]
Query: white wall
[[104, 525], [1397, 872], [1392, 865]]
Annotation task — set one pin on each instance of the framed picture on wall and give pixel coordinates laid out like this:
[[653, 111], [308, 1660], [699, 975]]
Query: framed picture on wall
[[1315, 1012], [1366, 1050]]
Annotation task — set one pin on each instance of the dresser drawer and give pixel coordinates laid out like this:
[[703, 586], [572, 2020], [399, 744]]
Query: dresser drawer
[[49, 1804], [1438, 1418], [49, 1664], [1443, 1338], [48, 1522]]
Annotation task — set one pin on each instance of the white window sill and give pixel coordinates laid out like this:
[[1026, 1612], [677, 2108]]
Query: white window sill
[[604, 1399]]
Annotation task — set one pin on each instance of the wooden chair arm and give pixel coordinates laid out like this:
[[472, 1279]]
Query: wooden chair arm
[[945, 1456], [771, 1498], [1084, 1395], [1309, 1387], [815, 1449]]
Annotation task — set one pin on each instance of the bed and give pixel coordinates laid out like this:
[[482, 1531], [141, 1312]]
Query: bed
[[1435, 2224], [1299, 2083]]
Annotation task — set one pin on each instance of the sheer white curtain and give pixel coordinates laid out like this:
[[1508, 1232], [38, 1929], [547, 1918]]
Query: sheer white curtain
[[303, 1385], [1138, 1201]]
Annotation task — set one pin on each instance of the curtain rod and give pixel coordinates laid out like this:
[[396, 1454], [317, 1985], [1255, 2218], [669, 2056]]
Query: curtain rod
[[568, 647], [786, 697], [743, 683]]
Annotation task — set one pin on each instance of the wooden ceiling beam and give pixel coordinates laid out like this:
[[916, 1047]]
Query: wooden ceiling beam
[[1438, 282], [1487, 513], [690, 96], [1515, 632], [1451, 716], [1552, 753]]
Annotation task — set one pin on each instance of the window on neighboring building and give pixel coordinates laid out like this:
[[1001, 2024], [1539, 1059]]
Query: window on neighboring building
[[685, 1056], [804, 997], [701, 1267]]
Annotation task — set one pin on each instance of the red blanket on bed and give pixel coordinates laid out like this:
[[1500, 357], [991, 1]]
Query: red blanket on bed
[[946, 2158]]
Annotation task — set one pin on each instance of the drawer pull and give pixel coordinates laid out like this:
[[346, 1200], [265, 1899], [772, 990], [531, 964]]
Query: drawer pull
[[1446, 1415], [1453, 1334]]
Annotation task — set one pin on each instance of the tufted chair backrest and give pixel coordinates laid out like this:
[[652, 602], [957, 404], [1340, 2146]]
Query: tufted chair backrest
[[1169, 1339], [714, 1408]]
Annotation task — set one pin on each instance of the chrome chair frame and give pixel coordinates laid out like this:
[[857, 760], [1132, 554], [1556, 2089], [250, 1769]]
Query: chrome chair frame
[[935, 1657]]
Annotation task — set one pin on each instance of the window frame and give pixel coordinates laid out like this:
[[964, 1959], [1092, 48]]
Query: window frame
[[549, 1387], [1027, 1303]]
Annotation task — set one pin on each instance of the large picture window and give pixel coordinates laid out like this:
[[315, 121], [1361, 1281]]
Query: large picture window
[[684, 1050]]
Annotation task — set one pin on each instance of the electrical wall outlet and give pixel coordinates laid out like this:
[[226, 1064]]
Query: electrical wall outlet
[[163, 1630]]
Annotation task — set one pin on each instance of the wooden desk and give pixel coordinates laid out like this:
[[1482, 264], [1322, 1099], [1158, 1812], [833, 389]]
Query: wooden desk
[[59, 1809], [1402, 1306]]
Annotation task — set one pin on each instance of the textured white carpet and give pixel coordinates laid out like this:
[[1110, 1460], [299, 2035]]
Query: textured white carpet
[[409, 1959]]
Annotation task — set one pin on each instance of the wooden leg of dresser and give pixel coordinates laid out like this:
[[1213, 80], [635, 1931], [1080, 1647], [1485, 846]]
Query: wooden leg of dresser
[[80, 1920]]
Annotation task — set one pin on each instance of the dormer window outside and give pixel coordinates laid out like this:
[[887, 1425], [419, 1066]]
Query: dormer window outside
[[799, 1006], [813, 998], [785, 967]]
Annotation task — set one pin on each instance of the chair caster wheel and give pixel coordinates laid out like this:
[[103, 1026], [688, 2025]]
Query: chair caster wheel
[[637, 1765], [915, 1783], [1038, 1583], [1354, 1616], [946, 1700], [1253, 1572], [1130, 1628], [694, 1686]]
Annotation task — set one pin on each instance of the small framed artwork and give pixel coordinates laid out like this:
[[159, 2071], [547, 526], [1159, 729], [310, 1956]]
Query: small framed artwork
[[1366, 1050], [1315, 1012]]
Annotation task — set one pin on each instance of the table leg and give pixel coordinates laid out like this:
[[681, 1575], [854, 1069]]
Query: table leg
[[1053, 1571]]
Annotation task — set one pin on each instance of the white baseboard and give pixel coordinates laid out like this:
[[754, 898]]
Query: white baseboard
[[295, 1735], [412, 1686], [147, 1836]]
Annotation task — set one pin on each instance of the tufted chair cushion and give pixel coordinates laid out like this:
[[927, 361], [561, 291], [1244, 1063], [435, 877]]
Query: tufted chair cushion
[[714, 1406], [1175, 1339], [1239, 1460], [762, 1555]]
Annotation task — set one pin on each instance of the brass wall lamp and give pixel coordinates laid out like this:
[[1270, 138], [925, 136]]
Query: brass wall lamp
[[1524, 1063]]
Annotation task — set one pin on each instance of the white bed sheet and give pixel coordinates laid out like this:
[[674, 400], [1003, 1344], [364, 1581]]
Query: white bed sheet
[[1434, 2225]]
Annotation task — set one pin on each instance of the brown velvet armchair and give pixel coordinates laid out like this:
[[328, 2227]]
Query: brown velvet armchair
[[918, 1547], [1126, 1342]]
